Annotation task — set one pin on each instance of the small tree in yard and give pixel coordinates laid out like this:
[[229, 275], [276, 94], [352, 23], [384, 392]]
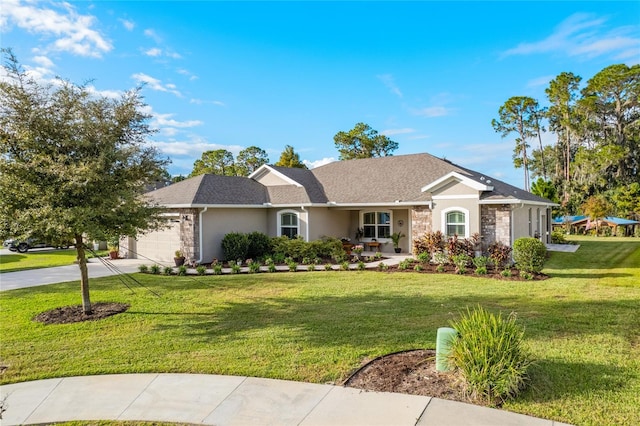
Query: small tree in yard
[[73, 166]]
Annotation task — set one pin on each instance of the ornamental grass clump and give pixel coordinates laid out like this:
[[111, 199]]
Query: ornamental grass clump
[[489, 356]]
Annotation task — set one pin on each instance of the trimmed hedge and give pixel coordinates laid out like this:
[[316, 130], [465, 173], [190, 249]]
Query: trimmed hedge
[[235, 245], [529, 254]]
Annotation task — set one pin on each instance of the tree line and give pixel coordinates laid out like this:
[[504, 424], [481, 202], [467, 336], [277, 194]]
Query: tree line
[[360, 142], [595, 158]]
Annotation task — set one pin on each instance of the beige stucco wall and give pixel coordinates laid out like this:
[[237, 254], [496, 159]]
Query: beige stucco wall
[[401, 215], [270, 179], [469, 204], [520, 226], [216, 223], [455, 188], [328, 222], [538, 221]]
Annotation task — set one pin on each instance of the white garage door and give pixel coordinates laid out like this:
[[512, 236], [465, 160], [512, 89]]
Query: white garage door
[[159, 246]]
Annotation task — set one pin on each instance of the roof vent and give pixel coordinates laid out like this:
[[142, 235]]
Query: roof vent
[[488, 182]]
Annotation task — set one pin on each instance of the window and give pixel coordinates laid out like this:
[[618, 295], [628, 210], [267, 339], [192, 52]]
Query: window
[[376, 224], [288, 225], [455, 221]]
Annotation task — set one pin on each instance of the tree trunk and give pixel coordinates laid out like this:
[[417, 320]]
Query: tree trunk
[[84, 275]]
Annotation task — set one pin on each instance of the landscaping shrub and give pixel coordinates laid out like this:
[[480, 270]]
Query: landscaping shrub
[[143, 269], [182, 270], [423, 257], [557, 237], [235, 245], [155, 269], [259, 245], [529, 254], [500, 254], [440, 258], [217, 269], [489, 355], [168, 270], [235, 267], [294, 248], [254, 266], [404, 264], [430, 242], [481, 263], [201, 269], [307, 252], [461, 261]]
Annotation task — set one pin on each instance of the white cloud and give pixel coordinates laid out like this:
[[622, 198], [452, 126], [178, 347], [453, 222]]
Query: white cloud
[[112, 94], [481, 153], [173, 55], [434, 111], [389, 81], [200, 102], [166, 120], [127, 24], [153, 52], [184, 72], [540, 81], [391, 132], [71, 32], [193, 147], [155, 84], [318, 163], [43, 61], [152, 35], [584, 35]]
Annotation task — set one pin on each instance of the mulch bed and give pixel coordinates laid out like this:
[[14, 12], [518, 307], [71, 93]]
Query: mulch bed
[[411, 372], [450, 269], [72, 314]]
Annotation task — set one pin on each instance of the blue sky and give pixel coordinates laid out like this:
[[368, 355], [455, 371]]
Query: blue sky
[[430, 75]]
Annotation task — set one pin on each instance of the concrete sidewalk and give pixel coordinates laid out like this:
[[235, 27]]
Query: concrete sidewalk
[[232, 400]]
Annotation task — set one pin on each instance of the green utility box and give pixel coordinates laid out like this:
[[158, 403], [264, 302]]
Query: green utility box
[[443, 347]]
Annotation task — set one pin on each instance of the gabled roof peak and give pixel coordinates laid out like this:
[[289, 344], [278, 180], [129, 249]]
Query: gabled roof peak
[[455, 176]]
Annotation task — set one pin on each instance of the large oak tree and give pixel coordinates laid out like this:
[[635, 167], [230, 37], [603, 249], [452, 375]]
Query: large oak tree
[[73, 164]]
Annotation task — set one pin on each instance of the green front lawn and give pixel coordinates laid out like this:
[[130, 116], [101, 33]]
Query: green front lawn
[[581, 325], [39, 259]]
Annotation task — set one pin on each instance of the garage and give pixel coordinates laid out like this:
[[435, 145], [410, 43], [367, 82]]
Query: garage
[[157, 246]]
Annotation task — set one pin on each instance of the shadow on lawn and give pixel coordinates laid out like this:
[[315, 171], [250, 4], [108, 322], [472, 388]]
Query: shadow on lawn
[[376, 319], [554, 379], [594, 275], [11, 258]]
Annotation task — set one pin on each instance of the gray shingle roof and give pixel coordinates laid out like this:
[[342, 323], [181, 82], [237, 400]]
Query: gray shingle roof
[[381, 180], [364, 181], [211, 190]]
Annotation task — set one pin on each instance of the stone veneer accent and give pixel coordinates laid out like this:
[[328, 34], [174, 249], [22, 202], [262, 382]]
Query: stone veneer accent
[[495, 224], [189, 232], [421, 223]]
